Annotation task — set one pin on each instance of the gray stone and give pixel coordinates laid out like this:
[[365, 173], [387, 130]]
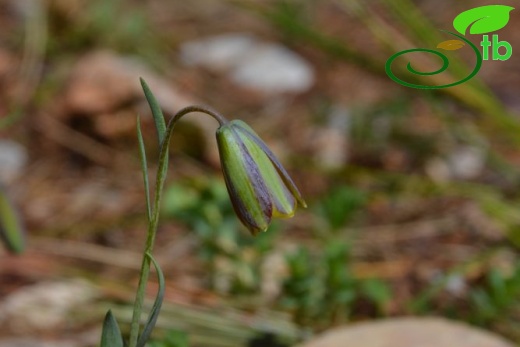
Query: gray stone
[[219, 53], [13, 158], [26, 342], [467, 162], [44, 306], [273, 69], [408, 332], [269, 68]]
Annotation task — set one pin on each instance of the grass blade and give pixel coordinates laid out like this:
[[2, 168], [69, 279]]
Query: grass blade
[[11, 230], [158, 117], [154, 314], [144, 168]]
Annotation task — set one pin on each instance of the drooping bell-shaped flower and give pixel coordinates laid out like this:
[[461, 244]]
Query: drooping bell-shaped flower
[[258, 185]]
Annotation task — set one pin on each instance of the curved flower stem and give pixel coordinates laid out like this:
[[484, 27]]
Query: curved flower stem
[[154, 221]]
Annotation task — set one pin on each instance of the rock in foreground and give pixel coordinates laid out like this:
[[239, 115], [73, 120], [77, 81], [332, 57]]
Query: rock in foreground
[[408, 332]]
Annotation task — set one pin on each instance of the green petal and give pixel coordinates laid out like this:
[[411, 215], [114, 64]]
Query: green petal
[[281, 170], [246, 188], [284, 204]]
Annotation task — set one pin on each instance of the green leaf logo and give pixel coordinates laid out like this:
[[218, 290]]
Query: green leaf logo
[[483, 19]]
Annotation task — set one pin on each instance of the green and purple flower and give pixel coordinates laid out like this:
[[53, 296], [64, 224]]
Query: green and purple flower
[[258, 185]]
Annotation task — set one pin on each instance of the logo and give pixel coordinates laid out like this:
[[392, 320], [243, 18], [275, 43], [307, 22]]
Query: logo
[[480, 21]]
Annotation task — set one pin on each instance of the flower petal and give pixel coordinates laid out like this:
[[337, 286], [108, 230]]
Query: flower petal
[[281, 171], [284, 204], [246, 188]]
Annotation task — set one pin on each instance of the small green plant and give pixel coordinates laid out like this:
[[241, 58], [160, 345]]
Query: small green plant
[[173, 338], [94, 25], [496, 298], [321, 290], [233, 258], [340, 205], [259, 187], [11, 229]]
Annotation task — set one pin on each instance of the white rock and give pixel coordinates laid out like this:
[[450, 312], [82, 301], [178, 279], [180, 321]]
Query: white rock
[[77, 339], [273, 69], [467, 162], [13, 158], [27, 342], [408, 332], [44, 306], [269, 68], [219, 53], [456, 285]]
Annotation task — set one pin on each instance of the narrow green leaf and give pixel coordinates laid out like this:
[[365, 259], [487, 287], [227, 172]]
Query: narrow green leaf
[[158, 117], [111, 335], [160, 125], [144, 168], [154, 314], [483, 19], [11, 230]]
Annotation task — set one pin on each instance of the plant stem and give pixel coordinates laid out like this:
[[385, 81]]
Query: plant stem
[[154, 221]]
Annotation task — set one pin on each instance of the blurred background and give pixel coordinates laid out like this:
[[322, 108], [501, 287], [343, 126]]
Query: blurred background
[[414, 200]]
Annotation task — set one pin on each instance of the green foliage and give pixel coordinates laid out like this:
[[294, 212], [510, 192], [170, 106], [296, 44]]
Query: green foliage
[[154, 313], [302, 289], [231, 254], [498, 297], [144, 169], [341, 204], [173, 338], [340, 285], [320, 289], [11, 230], [376, 292], [200, 203], [95, 26], [157, 114], [492, 301], [152, 213]]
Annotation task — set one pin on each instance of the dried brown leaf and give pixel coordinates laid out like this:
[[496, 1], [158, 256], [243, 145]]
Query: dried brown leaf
[[451, 45]]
